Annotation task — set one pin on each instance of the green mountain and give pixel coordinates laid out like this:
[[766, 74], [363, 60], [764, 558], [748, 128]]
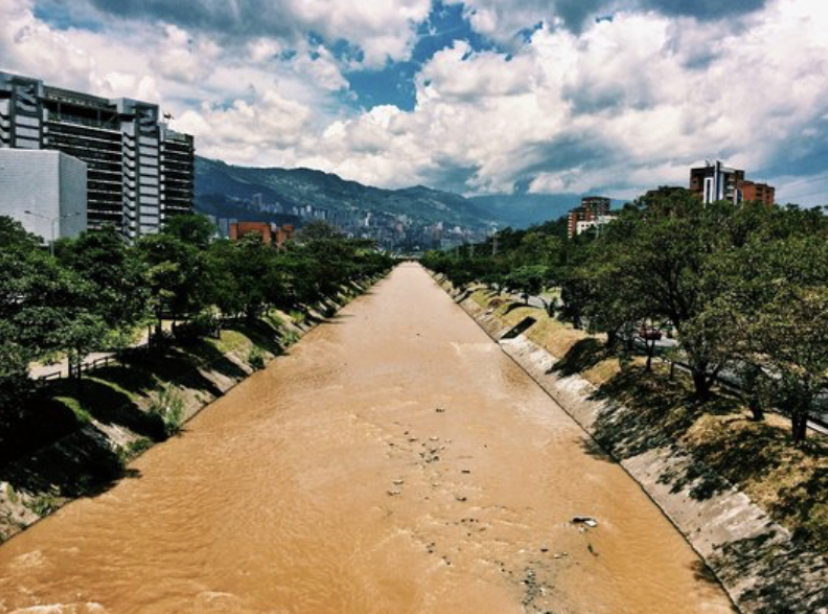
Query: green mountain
[[524, 210], [223, 190]]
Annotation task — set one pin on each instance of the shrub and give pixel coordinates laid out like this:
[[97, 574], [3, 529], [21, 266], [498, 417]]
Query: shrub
[[168, 406], [256, 359]]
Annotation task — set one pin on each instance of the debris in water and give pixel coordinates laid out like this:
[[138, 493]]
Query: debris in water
[[393, 493], [440, 410], [590, 522], [460, 498], [399, 482], [465, 471]]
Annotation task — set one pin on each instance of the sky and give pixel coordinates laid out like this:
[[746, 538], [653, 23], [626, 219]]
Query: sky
[[478, 97]]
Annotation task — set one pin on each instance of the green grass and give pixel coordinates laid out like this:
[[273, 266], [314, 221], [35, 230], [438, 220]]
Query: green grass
[[230, 341], [82, 415]]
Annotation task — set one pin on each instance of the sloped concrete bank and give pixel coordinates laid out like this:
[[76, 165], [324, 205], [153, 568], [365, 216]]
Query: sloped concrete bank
[[755, 559], [94, 456]]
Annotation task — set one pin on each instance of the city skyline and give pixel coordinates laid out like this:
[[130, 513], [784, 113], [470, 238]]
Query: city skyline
[[483, 97]]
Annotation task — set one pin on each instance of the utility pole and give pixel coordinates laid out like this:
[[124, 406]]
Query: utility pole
[[52, 221]]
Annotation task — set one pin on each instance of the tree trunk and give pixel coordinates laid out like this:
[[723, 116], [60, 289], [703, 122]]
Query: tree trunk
[[159, 326], [701, 382], [755, 407], [650, 352], [799, 427]]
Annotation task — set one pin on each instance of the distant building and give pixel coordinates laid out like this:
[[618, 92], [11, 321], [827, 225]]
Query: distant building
[[714, 182], [139, 172], [759, 192], [597, 222], [593, 209], [239, 230], [45, 191], [271, 234]]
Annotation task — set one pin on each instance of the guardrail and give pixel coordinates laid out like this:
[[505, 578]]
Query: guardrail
[[85, 367]]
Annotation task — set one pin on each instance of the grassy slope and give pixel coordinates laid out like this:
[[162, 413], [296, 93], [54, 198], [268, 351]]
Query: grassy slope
[[790, 483]]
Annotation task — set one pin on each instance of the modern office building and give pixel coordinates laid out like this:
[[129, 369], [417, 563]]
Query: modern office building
[[592, 209], [140, 172], [45, 191], [715, 181]]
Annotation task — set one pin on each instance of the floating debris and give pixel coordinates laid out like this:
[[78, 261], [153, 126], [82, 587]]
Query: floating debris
[[440, 410]]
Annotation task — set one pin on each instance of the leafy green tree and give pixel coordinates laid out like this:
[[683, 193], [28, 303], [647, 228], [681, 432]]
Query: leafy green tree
[[174, 274], [119, 295], [527, 280], [193, 229], [246, 276], [792, 331]]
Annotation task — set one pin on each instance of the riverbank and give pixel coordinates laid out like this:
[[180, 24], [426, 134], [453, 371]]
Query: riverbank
[[751, 504], [79, 436]]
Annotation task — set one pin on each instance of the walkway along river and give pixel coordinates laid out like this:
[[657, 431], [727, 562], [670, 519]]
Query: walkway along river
[[395, 461]]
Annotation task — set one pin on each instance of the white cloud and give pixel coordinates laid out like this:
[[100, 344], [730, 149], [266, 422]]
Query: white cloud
[[620, 106]]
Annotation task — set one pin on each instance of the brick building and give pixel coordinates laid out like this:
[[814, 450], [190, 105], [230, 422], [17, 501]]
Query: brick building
[[714, 182], [594, 211]]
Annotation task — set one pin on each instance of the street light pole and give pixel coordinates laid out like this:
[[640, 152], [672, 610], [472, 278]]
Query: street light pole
[[52, 221]]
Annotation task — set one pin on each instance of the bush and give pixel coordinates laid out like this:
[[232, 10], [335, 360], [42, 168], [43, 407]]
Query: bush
[[256, 359], [168, 406]]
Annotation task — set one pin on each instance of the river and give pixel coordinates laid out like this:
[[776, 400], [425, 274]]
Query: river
[[394, 461]]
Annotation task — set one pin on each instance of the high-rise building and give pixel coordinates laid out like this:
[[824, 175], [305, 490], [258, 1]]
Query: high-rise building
[[140, 172], [594, 211], [714, 182]]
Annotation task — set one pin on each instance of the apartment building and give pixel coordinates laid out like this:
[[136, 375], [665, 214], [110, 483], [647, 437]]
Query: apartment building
[[139, 171], [593, 212], [715, 181]]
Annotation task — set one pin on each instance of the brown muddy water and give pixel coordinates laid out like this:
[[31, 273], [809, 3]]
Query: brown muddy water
[[395, 461]]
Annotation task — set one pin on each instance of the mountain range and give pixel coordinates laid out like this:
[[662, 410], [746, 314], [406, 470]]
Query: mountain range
[[228, 191]]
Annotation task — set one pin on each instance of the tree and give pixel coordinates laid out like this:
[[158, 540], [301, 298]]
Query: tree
[[246, 276], [174, 274], [666, 253], [119, 296], [193, 229], [527, 280], [792, 332]]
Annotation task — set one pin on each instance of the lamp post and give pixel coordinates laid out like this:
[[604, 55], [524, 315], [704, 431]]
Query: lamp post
[[52, 221]]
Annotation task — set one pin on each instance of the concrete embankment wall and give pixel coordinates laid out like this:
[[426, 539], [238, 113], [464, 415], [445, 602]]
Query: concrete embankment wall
[[92, 457], [756, 560]]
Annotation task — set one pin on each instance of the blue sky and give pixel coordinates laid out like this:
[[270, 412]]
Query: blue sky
[[478, 96]]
